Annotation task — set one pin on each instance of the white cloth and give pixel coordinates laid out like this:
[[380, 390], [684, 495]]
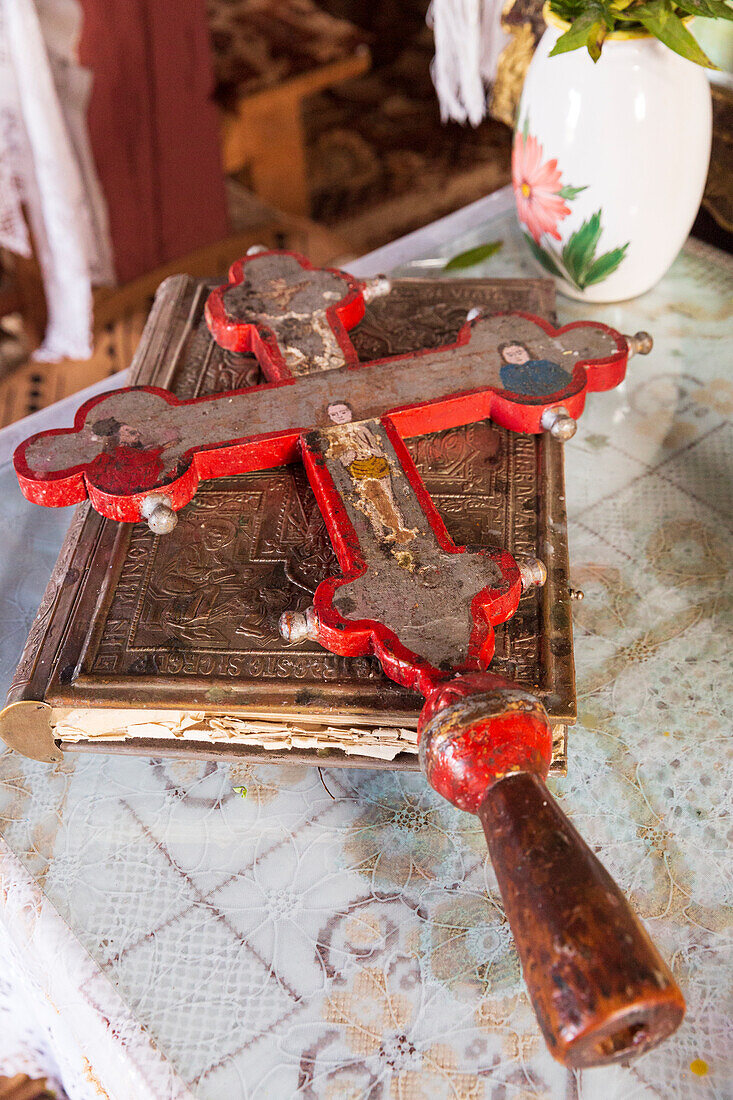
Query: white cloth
[[25, 1042], [46, 165], [60, 1017], [468, 40]]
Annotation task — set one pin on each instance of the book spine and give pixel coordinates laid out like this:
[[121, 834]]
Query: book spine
[[33, 670], [31, 678], [150, 365]]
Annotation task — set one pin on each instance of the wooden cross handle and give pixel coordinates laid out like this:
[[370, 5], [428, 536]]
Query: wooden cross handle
[[600, 989]]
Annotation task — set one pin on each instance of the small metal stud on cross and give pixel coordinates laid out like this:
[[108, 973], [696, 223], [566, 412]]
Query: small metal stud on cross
[[423, 606]]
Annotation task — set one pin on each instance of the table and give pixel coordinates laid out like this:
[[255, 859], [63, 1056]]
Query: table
[[179, 940]]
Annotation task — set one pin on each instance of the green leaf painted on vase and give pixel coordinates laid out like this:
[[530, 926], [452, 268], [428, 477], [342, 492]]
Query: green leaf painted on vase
[[569, 193], [579, 250], [605, 265], [473, 256], [657, 17], [582, 267], [543, 257]]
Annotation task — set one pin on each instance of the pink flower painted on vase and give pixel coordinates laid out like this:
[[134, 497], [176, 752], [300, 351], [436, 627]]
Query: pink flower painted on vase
[[541, 199], [537, 188]]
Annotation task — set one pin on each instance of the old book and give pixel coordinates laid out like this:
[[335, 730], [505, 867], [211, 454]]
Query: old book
[[169, 645]]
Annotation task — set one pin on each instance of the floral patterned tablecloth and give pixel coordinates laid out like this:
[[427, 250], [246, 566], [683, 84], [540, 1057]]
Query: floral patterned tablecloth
[[176, 939]]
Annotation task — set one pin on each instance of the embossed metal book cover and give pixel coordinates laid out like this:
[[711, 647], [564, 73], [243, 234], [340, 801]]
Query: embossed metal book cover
[[170, 645]]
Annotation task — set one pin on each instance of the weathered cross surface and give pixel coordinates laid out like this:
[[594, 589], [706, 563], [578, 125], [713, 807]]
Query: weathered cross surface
[[428, 605], [127, 443], [425, 607]]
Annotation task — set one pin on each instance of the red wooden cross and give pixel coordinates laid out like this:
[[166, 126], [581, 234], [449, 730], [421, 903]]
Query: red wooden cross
[[513, 367], [407, 594]]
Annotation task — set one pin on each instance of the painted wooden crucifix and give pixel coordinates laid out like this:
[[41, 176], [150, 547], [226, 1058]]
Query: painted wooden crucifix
[[423, 606]]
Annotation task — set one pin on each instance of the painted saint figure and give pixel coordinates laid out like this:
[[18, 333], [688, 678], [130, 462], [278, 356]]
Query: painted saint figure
[[522, 374], [360, 451], [124, 465]]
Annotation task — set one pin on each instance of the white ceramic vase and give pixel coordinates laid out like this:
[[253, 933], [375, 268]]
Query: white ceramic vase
[[609, 163]]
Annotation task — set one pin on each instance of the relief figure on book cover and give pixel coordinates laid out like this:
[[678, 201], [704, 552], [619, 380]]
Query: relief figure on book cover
[[207, 594], [218, 580]]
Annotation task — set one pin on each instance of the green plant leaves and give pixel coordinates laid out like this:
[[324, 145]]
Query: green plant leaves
[[568, 10], [591, 21], [706, 9], [589, 29], [473, 256], [659, 19]]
